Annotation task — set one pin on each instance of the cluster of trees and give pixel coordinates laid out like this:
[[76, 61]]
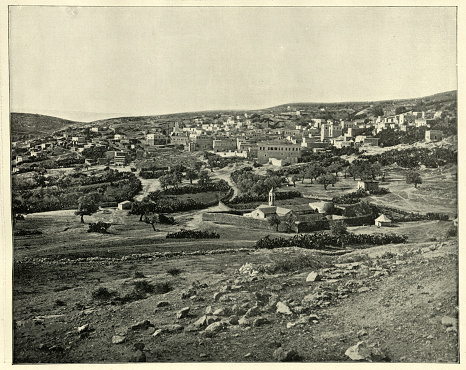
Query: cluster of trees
[[39, 193], [216, 161], [248, 198], [254, 184], [365, 170], [415, 157], [193, 234], [398, 215], [323, 240]]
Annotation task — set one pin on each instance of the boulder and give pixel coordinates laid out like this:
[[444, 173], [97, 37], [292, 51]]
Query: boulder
[[260, 321], [283, 309], [142, 325], [118, 339], [173, 328], [283, 355], [238, 310], [244, 321], [83, 328], [157, 332], [363, 289], [449, 321], [218, 295], [214, 327], [233, 320], [220, 312], [139, 356], [163, 304], [208, 310], [188, 293], [253, 311], [313, 276], [184, 312], [364, 352]]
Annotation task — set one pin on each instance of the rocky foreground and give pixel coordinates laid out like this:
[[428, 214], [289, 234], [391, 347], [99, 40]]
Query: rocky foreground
[[386, 304]]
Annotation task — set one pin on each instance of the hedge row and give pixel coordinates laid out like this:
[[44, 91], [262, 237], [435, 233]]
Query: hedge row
[[193, 234], [322, 240], [281, 195]]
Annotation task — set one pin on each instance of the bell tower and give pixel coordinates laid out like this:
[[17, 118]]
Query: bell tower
[[272, 197]]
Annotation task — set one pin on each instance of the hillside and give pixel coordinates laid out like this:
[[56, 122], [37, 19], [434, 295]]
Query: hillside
[[28, 125], [24, 125]]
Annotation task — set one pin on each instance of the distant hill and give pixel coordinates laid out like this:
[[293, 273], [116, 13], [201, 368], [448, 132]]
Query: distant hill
[[28, 125], [24, 125]]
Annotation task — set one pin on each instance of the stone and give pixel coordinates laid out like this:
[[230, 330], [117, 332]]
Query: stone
[[203, 355], [244, 321], [247, 355], [449, 321], [139, 356], [142, 325], [313, 276], [184, 312], [225, 288], [220, 312], [208, 310], [313, 317], [157, 332], [173, 328], [238, 310], [83, 328], [364, 352], [215, 327], [363, 289], [188, 293], [283, 355], [283, 309], [233, 320], [225, 298], [253, 311], [218, 295], [139, 346], [118, 339], [452, 329], [361, 333], [260, 321], [262, 298], [163, 304]]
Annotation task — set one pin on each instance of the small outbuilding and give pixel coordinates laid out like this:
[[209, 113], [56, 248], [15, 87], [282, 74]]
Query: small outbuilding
[[368, 185], [124, 205], [383, 220]]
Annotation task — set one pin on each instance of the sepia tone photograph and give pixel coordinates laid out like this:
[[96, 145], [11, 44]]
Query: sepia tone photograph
[[233, 184]]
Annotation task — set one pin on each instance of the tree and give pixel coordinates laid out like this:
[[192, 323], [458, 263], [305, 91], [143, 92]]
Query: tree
[[335, 167], [204, 179], [191, 175], [289, 221], [274, 220], [413, 177], [339, 230], [87, 205], [327, 179], [295, 178]]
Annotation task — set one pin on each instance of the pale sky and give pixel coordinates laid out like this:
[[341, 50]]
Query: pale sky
[[87, 63]]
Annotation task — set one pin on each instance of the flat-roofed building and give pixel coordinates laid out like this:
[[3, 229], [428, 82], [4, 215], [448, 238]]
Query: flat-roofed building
[[278, 150]]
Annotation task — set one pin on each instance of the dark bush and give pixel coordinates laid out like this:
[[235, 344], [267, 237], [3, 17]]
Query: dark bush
[[174, 271], [27, 232], [98, 227], [322, 240], [102, 293], [193, 234]]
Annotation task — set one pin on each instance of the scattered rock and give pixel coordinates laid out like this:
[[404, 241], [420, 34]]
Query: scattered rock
[[244, 321], [364, 352], [220, 312], [218, 295], [139, 356], [283, 355], [225, 288], [214, 327], [313, 276], [83, 328], [143, 325], [139, 346], [363, 289], [260, 321], [449, 321], [233, 320], [184, 312], [283, 309], [203, 355], [253, 311], [157, 332], [237, 310], [451, 329], [163, 304], [361, 333], [188, 293], [173, 328], [247, 355], [208, 310], [118, 339]]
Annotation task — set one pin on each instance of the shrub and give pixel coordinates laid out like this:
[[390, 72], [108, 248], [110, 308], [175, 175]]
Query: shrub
[[193, 234], [451, 232], [322, 240], [98, 227], [143, 286], [102, 293], [174, 271]]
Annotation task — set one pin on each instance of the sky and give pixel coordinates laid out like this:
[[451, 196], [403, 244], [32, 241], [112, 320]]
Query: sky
[[88, 63]]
